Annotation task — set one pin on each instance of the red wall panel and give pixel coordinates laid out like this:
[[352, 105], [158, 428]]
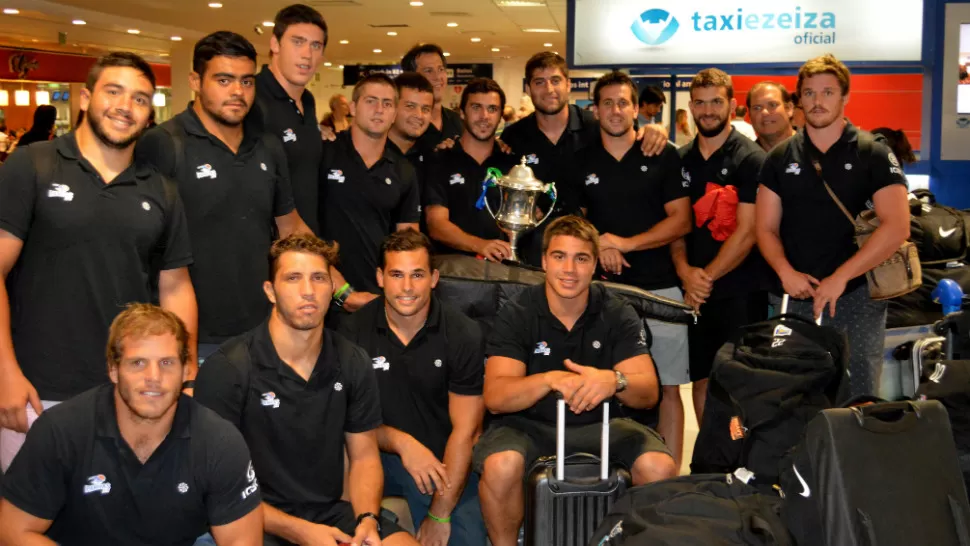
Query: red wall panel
[[886, 100]]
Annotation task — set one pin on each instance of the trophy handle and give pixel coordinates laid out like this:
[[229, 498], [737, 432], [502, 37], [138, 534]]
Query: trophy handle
[[555, 196], [487, 206]]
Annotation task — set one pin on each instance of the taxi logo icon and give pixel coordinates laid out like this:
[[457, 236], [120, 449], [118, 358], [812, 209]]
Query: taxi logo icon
[[654, 27], [592, 179], [62, 191], [542, 348], [456, 178], [289, 136], [532, 159]]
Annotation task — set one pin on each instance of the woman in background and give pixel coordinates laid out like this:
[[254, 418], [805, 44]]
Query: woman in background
[[684, 133], [43, 128], [338, 118], [899, 144]]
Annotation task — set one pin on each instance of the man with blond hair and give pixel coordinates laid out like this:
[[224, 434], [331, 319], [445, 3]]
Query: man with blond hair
[[133, 461]]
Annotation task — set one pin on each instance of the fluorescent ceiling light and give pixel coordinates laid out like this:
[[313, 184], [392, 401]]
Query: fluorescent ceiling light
[[21, 97], [268, 24], [452, 25], [345, 42], [11, 11], [79, 22], [476, 40], [134, 31], [520, 3], [549, 30], [446, 54]]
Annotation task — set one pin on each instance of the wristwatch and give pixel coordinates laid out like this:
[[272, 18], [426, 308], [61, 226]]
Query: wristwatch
[[376, 519], [621, 381], [341, 296]]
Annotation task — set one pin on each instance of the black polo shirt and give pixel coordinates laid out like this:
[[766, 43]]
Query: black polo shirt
[[736, 163], [361, 206], [294, 428], [455, 182], [89, 248], [552, 162], [418, 156], [816, 235], [446, 356], [77, 470], [231, 202], [300, 134], [451, 127], [608, 332], [626, 198]]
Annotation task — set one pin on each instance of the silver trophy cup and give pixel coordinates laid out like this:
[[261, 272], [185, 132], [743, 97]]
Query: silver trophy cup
[[517, 209]]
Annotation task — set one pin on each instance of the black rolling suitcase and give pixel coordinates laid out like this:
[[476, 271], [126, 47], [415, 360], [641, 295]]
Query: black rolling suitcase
[[567, 496], [879, 475]]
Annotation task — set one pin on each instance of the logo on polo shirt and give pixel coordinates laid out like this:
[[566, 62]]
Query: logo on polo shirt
[[183, 488], [338, 386], [592, 179], [262, 166], [289, 136], [644, 168], [437, 363], [531, 159], [251, 479], [269, 400], [597, 344], [381, 363], [336, 174], [542, 348], [205, 171], [456, 178], [61, 190], [642, 338], [97, 484], [848, 166], [145, 205], [654, 27], [793, 168], [686, 176], [893, 160]]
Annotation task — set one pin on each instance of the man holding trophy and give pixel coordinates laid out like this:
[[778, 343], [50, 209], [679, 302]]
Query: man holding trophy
[[454, 180]]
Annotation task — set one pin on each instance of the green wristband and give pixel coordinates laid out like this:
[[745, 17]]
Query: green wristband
[[435, 518], [341, 290]]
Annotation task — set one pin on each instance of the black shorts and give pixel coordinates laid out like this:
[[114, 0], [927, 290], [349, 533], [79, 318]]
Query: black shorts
[[717, 324], [340, 515], [533, 439]]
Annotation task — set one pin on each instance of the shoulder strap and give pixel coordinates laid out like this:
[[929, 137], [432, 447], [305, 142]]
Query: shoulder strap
[[43, 159], [818, 170], [178, 142]]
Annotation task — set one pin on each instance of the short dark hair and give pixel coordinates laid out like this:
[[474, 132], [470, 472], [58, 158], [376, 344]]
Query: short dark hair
[[480, 86], [898, 142], [712, 77], [572, 226], [298, 14], [220, 44], [376, 77], [406, 240], [412, 80], [122, 59], [786, 96], [410, 60], [141, 320], [306, 243], [741, 111], [545, 59], [652, 94], [614, 78]]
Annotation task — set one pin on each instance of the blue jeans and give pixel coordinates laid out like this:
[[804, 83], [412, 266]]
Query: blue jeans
[[467, 525]]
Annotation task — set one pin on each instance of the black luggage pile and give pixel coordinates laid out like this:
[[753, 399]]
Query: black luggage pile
[[765, 386], [941, 236]]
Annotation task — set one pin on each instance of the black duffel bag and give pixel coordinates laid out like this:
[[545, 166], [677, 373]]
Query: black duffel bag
[[939, 232], [765, 386], [700, 510]]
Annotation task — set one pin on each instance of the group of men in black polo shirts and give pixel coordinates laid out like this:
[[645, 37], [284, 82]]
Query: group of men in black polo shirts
[[89, 223]]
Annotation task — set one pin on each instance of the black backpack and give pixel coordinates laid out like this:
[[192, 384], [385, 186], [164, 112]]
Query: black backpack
[[765, 386], [700, 510]]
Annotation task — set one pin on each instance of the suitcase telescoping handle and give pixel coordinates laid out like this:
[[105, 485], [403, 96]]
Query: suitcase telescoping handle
[[784, 308], [561, 439]]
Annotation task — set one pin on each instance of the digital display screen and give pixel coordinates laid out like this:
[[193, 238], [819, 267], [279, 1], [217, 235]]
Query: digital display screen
[[66, 96], [963, 87], [56, 95]]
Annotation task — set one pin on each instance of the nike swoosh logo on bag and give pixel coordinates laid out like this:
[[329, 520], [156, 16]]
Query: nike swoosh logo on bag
[[946, 232], [807, 491]]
